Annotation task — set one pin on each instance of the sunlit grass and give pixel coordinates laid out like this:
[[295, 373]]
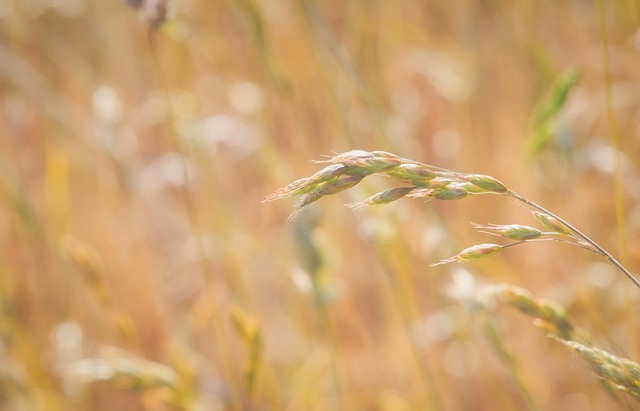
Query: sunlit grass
[[141, 270]]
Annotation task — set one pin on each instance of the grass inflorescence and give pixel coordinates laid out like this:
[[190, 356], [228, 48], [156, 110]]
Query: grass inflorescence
[[433, 183], [428, 182], [141, 272], [614, 371]]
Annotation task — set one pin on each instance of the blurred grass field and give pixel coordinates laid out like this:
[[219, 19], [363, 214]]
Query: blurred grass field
[[140, 270]]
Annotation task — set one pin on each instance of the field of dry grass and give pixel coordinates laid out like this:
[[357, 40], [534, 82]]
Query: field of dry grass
[[140, 269]]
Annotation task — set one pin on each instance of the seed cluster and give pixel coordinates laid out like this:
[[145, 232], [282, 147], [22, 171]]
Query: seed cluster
[[427, 182], [614, 371], [432, 183], [424, 181]]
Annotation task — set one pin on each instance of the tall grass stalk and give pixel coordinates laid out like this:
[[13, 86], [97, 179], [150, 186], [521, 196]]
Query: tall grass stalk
[[190, 206], [318, 22], [618, 192], [613, 133]]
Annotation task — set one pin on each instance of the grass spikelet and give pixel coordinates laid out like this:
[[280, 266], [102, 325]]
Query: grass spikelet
[[367, 162], [476, 252], [438, 182], [433, 183], [305, 185], [450, 192], [374, 164], [326, 188], [616, 372], [290, 190], [470, 188], [487, 183], [346, 157], [511, 231], [339, 184], [543, 310], [551, 223], [417, 174], [384, 197], [327, 173]]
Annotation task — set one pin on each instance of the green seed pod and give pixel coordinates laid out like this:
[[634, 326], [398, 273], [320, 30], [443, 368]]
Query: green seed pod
[[339, 184], [471, 188], [327, 173], [350, 156], [438, 183], [544, 310], [478, 251], [449, 193], [384, 154], [390, 195], [374, 164], [418, 175], [487, 182], [511, 231], [384, 197], [551, 223]]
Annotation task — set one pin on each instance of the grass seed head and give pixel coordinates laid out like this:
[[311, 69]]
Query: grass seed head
[[450, 192], [384, 154], [554, 318], [476, 252], [446, 193], [384, 197], [470, 188], [333, 186], [345, 157], [551, 223], [373, 164], [327, 173], [300, 186], [619, 373], [417, 174], [339, 184], [512, 231], [438, 182], [309, 184], [487, 182]]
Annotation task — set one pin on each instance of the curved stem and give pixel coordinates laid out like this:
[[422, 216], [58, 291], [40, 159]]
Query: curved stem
[[579, 234]]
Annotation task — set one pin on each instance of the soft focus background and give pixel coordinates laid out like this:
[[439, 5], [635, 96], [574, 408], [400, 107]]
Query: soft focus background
[[140, 270]]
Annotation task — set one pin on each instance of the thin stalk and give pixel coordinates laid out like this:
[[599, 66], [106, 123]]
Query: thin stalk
[[193, 216], [613, 130], [329, 333], [342, 57], [509, 360], [581, 235], [618, 192]]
